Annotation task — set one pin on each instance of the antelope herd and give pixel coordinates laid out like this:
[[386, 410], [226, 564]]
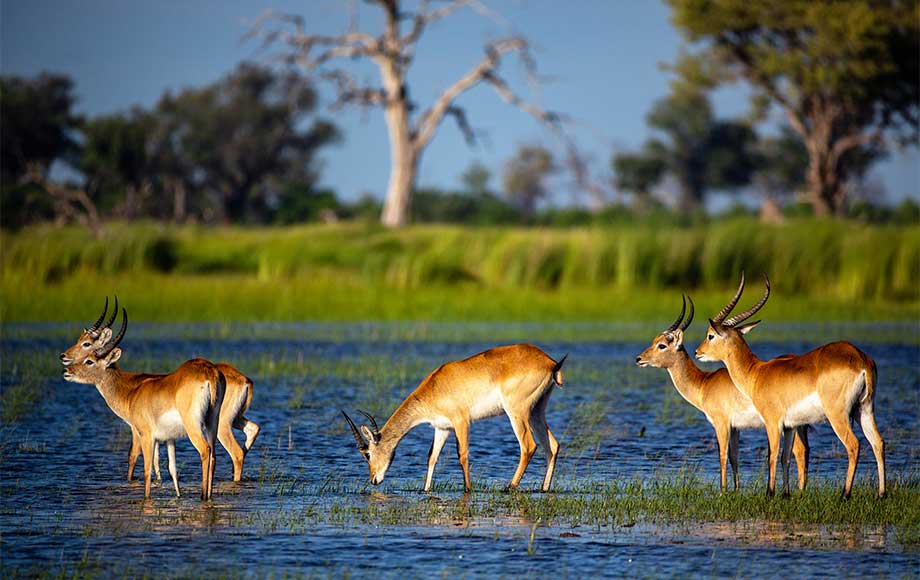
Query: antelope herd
[[205, 401]]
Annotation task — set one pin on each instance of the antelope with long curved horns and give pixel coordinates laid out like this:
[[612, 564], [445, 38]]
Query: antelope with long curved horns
[[726, 408], [516, 380], [835, 381], [237, 399], [183, 403]]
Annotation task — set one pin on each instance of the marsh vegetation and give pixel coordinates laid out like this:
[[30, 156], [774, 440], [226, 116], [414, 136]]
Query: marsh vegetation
[[636, 488]]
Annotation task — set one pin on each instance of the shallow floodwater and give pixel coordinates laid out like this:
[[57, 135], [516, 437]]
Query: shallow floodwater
[[304, 506]]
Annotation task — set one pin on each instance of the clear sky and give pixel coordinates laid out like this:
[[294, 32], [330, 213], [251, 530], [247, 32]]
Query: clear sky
[[600, 61]]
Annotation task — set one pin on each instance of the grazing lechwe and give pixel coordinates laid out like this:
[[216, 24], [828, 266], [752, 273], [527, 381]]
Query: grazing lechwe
[[835, 381], [515, 380], [726, 408]]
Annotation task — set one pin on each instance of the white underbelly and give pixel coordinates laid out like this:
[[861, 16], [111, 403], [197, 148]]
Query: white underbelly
[[808, 411], [747, 419], [169, 426], [489, 405]]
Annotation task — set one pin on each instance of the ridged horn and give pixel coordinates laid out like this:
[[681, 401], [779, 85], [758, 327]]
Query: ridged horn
[[731, 322], [114, 315], [686, 323], [94, 329], [108, 347], [362, 444], [680, 317], [731, 303], [371, 419]]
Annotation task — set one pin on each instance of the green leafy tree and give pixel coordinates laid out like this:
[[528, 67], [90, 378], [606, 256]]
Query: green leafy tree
[[525, 177], [844, 72], [241, 139], [701, 152], [39, 126], [638, 173], [116, 161], [476, 179]]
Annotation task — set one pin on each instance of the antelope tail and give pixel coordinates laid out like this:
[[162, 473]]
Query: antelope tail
[[871, 379], [558, 377], [218, 388]]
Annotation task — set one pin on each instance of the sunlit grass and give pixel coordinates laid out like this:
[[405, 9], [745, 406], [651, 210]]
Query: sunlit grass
[[822, 270]]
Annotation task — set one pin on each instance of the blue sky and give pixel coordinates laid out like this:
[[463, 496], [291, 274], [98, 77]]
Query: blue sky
[[600, 61]]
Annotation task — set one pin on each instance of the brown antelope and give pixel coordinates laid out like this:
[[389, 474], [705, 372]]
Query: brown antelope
[[726, 408], [185, 402], [516, 380], [836, 381], [236, 402]]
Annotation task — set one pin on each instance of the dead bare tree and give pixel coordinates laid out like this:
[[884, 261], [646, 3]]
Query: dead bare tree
[[393, 51], [71, 205]]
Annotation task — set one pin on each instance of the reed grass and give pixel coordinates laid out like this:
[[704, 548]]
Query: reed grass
[[820, 270]]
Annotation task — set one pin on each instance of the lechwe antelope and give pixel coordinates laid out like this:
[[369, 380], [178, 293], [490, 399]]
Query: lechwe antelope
[[516, 380], [836, 381], [726, 408], [185, 402], [236, 402]]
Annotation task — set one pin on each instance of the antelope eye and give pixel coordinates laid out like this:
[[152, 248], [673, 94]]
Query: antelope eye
[[89, 363], [661, 347], [711, 336], [86, 345]]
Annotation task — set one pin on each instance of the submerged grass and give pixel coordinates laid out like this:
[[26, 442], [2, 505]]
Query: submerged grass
[[820, 269]]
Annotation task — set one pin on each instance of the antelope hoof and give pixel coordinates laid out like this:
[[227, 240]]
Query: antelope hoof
[[771, 493], [786, 494]]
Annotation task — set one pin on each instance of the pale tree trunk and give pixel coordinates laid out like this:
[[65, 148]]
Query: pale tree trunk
[[179, 201], [403, 151], [403, 170]]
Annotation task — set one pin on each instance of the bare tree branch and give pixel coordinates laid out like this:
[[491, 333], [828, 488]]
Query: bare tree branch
[[463, 124], [350, 92], [424, 17], [483, 71]]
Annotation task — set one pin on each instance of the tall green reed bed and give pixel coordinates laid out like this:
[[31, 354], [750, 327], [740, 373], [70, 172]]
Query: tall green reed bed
[[350, 271]]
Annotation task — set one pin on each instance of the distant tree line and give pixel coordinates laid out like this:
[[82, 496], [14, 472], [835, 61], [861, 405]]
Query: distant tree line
[[240, 150], [844, 75]]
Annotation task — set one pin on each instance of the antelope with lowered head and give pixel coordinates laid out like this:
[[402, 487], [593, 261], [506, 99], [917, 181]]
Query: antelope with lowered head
[[726, 408], [237, 398], [185, 402], [835, 381], [516, 380]]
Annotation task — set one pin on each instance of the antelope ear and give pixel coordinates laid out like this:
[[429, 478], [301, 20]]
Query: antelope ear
[[745, 328], [113, 357], [677, 337], [369, 435], [104, 335]]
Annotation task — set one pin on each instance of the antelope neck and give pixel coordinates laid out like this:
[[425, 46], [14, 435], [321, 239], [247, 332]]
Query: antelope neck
[[686, 377], [740, 362]]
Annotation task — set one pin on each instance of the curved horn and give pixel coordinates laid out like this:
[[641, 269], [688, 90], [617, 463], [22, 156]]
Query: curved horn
[[371, 419], [94, 329], [731, 303], [114, 314], [680, 317], [686, 323], [753, 309], [108, 347], [362, 444]]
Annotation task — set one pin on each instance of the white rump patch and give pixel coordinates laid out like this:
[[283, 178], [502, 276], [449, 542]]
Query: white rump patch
[[808, 411]]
